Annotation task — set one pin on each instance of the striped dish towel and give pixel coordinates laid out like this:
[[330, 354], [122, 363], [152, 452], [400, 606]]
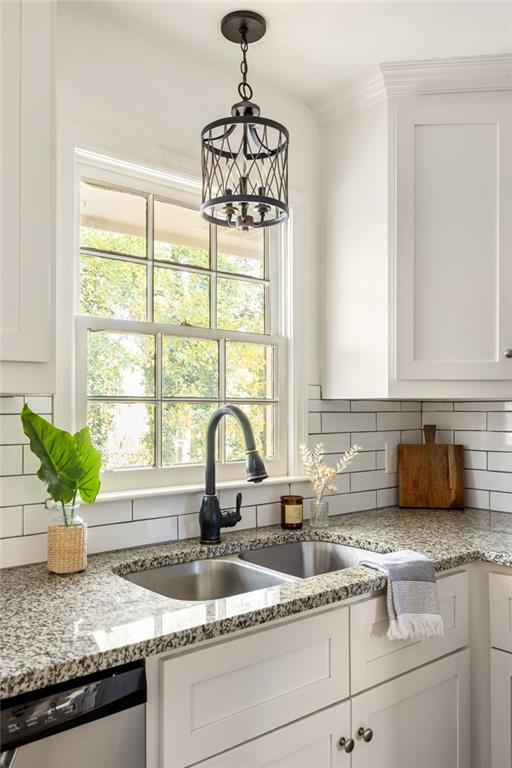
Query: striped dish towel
[[412, 602]]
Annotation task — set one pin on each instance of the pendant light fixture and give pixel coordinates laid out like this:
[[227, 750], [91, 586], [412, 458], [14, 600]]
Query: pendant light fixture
[[244, 157]]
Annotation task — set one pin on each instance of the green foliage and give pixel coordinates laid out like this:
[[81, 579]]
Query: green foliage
[[69, 463]]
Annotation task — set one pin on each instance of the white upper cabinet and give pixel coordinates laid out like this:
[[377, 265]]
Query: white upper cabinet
[[453, 238], [418, 194], [27, 183]]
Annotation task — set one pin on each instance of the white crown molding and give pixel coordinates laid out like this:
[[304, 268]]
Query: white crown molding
[[352, 98], [407, 78], [466, 73]]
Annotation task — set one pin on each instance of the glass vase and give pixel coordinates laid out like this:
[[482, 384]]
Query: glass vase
[[67, 540], [319, 514]]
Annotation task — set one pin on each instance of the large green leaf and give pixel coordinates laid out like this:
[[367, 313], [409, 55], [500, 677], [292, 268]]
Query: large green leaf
[[58, 453], [89, 483]]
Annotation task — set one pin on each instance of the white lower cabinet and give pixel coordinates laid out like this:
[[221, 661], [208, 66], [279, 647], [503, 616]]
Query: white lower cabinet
[[419, 720], [308, 743], [501, 709]]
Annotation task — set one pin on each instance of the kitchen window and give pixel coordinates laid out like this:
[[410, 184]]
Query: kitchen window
[[175, 317]]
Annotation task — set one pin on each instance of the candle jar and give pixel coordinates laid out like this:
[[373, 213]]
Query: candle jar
[[292, 512]]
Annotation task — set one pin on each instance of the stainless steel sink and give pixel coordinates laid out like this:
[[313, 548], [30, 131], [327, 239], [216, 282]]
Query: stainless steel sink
[[305, 558], [205, 579]]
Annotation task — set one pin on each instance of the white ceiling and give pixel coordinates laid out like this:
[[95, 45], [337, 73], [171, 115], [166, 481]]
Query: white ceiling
[[312, 48]]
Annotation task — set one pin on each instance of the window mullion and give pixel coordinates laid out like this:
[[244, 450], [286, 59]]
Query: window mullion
[[158, 393], [150, 256], [213, 276], [222, 394]]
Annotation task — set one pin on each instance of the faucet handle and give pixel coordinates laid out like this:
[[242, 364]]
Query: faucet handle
[[238, 514], [231, 517]]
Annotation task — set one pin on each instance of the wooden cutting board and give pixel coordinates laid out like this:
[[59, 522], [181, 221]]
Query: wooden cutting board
[[431, 475]]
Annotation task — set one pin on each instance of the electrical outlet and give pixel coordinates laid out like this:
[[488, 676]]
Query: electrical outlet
[[390, 458]]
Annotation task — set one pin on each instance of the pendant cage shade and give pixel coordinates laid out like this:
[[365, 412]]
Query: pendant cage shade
[[244, 157]]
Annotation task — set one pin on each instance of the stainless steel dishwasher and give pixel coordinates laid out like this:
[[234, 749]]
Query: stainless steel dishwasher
[[97, 721]]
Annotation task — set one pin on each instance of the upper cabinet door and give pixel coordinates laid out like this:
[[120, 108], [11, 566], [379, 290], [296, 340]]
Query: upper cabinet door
[[27, 181], [453, 238]]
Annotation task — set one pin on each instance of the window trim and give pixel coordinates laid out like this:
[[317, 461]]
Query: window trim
[[77, 142]]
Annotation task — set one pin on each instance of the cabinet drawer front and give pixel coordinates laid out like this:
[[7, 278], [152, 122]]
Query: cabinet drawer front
[[310, 742], [374, 658], [500, 601], [221, 696]]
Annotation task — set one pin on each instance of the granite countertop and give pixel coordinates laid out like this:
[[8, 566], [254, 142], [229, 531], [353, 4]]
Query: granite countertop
[[55, 628]]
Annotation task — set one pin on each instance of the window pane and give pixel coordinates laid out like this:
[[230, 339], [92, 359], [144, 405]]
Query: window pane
[[181, 298], [181, 235], [240, 305], [240, 252], [184, 432], [111, 288], [121, 364], [261, 418], [112, 221], [248, 370], [124, 433], [190, 367]]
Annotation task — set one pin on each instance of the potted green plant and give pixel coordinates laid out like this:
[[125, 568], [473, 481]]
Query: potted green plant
[[70, 468]]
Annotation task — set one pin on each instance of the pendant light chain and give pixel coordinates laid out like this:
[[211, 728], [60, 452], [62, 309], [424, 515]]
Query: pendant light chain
[[244, 89]]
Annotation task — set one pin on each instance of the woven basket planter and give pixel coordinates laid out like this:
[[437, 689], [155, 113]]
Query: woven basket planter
[[67, 548]]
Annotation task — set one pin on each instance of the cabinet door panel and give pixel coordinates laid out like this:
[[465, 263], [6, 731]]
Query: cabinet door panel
[[27, 181], [501, 709], [221, 696], [454, 262], [420, 720], [500, 602], [310, 743]]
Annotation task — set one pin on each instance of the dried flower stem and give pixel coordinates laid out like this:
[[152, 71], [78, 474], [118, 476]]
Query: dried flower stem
[[321, 475]]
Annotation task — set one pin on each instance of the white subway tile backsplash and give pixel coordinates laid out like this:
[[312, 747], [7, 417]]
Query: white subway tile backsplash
[[491, 481], [411, 405], [374, 405], [11, 460], [314, 423], [36, 518], [11, 404], [485, 441], [23, 489], [367, 481], [348, 422], [133, 534], [268, 514], [22, 550], [411, 436], [387, 497], [332, 443], [106, 513], [405, 420], [352, 502], [374, 441], [499, 462], [455, 420], [480, 405], [188, 527], [500, 422], [31, 463], [166, 506], [435, 405], [477, 498], [317, 406], [40, 404], [475, 460], [261, 493], [501, 502], [11, 431], [363, 461], [11, 522]]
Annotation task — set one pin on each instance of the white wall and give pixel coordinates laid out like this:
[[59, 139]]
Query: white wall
[[114, 79]]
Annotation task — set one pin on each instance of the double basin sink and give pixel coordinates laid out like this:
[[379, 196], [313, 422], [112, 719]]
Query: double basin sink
[[271, 566]]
